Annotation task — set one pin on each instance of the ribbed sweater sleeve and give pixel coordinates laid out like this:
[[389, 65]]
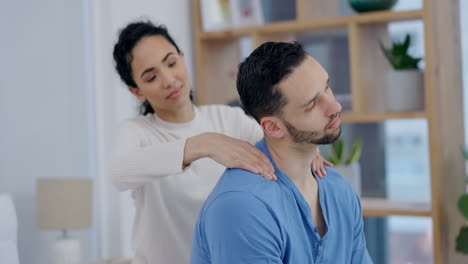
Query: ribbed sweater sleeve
[[133, 165]]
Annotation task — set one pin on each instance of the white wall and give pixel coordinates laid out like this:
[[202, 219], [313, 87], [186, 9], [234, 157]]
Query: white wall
[[43, 104]]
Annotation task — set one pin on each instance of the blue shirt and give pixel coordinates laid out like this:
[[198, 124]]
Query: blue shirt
[[249, 219]]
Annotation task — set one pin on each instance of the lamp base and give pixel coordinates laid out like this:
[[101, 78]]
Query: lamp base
[[66, 251]]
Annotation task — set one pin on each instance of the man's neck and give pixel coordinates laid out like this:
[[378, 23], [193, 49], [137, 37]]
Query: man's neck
[[294, 160]]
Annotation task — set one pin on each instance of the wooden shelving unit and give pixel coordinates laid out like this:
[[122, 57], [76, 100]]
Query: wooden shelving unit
[[382, 207], [308, 25], [379, 117], [217, 55]]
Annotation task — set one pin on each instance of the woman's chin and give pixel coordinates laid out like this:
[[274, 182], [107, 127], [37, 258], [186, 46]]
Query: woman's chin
[[182, 101]]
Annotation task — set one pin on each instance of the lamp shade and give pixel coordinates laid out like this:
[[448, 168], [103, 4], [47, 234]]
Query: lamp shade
[[64, 203]]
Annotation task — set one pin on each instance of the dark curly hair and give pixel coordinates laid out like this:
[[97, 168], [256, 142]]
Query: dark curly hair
[[129, 36], [260, 73]]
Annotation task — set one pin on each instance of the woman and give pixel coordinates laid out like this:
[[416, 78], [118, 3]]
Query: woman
[[172, 155]]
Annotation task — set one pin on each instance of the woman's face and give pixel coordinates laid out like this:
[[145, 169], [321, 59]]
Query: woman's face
[[160, 74]]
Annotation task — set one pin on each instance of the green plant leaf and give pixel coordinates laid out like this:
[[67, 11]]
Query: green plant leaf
[[462, 240], [464, 150], [406, 43], [398, 55], [463, 205], [399, 49], [337, 151], [355, 152], [386, 52], [333, 159]]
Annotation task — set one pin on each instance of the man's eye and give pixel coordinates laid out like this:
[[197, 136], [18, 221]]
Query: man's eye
[[310, 107]]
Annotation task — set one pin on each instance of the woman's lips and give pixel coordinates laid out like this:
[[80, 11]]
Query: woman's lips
[[335, 124], [174, 94]]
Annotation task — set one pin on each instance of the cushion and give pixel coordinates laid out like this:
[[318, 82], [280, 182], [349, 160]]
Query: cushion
[[8, 231]]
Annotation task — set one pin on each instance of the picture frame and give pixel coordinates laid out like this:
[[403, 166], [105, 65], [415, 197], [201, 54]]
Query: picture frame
[[245, 13], [216, 15]]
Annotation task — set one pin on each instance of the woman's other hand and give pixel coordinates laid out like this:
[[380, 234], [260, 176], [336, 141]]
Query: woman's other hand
[[229, 152], [319, 163]]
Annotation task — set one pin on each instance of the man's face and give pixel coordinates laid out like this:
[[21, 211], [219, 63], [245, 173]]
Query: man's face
[[312, 115]]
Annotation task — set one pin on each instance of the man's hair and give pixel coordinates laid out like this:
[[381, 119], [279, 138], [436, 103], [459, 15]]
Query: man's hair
[[260, 73]]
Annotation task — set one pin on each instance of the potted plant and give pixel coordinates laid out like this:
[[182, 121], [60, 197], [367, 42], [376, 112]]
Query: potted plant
[[404, 84], [348, 167], [462, 238], [371, 5]]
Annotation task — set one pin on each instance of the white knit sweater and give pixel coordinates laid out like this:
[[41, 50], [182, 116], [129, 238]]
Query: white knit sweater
[[147, 159]]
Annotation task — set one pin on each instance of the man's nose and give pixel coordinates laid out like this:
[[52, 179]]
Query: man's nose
[[332, 106]]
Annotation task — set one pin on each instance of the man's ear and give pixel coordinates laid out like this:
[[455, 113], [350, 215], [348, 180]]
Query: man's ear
[[137, 92], [272, 126]]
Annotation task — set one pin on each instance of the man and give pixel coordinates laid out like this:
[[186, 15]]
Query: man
[[300, 218]]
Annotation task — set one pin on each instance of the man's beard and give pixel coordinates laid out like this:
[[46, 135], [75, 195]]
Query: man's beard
[[311, 137]]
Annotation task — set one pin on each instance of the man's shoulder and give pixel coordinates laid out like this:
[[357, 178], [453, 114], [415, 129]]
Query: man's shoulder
[[241, 181], [234, 221], [238, 208], [338, 182], [232, 200], [241, 186], [345, 199]]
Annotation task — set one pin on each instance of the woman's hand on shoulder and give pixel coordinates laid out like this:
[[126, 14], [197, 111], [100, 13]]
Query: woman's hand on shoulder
[[319, 163], [229, 152]]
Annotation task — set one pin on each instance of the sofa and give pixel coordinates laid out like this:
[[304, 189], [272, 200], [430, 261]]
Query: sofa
[[8, 231]]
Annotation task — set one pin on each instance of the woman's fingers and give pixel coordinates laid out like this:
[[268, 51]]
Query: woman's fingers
[[235, 153], [254, 167], [327, 163], [324, 172], [264, 161]]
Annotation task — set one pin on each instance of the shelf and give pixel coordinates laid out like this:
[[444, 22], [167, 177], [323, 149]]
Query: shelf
[[382, 207], [379, 117], [294, 26], [387, 16]]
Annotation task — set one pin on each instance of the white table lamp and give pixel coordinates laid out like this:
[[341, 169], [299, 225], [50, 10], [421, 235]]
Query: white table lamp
[[64, 204]]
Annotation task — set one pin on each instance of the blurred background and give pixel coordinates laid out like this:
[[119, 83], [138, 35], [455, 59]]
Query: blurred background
[[60, 100]]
